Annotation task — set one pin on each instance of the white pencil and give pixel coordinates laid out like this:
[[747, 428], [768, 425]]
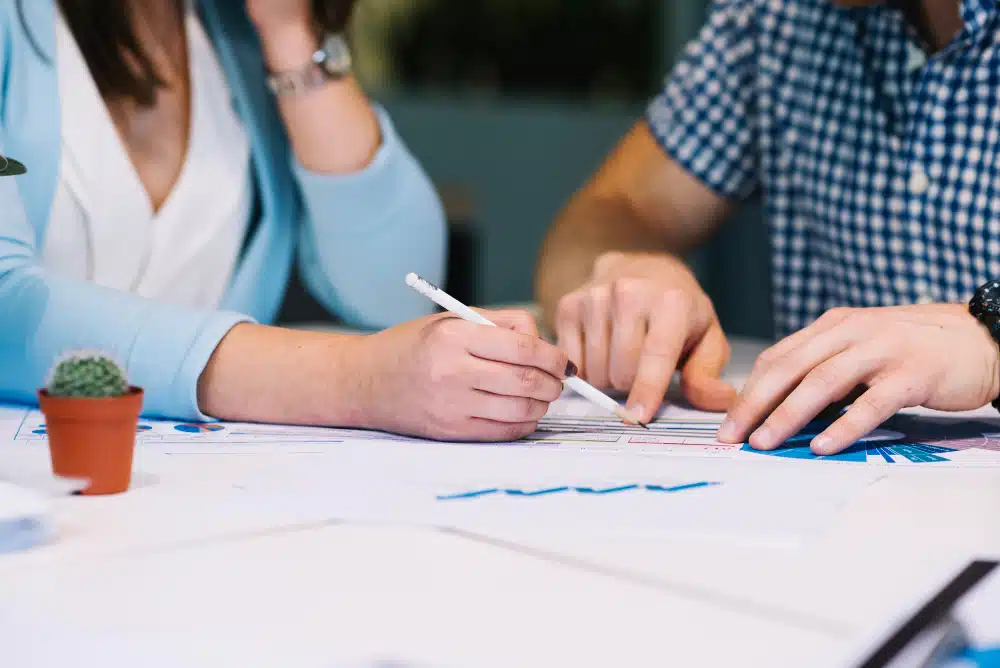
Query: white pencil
[[578, 385]]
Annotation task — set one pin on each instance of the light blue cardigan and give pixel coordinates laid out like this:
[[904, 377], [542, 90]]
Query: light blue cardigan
[[357, 235]]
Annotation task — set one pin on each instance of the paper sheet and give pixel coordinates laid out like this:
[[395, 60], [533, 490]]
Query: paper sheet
[[24, 518], [527, 492], [915, 438], [582, 471]]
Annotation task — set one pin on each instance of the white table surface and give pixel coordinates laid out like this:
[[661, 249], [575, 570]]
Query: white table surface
[[315, 593]]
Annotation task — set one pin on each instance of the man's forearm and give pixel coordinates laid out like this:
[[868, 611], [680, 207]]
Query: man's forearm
[[589, 227], [268, 374]]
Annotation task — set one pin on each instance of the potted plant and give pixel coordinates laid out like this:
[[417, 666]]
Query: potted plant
[[91, 416]]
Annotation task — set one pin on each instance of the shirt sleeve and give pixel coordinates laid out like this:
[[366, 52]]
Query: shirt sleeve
[[365, 231], [164, 348], [705, 118]]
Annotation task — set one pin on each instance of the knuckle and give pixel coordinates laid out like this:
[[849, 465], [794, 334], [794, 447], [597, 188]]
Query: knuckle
[[767, 358], [628, 292], [837, 314], [857, 317], [551, 391], [676, 300], [598, 295], [516, 432], [824, 376], [622, 379], [527, 347], [872, 405], [446, 331], [568, 308], [528, 379], [606, 260], [526, 410], [522, 318]]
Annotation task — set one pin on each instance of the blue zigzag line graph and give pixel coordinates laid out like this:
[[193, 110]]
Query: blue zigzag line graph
[[591, 491]]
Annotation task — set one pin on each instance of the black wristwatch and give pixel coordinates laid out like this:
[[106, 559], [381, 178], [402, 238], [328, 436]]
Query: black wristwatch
[[11, 167], [985, 306]]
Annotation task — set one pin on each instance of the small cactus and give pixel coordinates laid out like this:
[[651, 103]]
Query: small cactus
[[90, 375]]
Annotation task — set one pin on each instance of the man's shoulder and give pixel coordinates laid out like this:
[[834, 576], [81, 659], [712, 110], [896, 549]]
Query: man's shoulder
[[802, 11], [774, 23]]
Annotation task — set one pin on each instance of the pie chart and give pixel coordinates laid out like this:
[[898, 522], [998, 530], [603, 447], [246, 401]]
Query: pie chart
[[882, 445], [198, 428]]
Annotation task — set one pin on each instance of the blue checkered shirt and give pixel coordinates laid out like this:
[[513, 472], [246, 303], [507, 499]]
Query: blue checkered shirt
[[877, 163]]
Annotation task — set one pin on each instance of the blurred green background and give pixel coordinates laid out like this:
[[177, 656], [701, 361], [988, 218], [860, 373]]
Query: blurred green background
[[511, 104]]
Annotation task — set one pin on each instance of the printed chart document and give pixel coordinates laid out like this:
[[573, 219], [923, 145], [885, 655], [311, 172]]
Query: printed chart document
[[582, 471], [521, 493], [915, 438]]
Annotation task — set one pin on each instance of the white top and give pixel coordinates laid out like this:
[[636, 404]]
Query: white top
[[103, 228]]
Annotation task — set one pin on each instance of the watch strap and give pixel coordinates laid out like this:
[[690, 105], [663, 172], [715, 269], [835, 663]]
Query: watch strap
[[331, 61], [300, 81], [985, 307]]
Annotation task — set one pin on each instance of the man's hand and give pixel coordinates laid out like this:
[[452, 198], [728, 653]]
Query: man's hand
[[637, 320], [935, 356]]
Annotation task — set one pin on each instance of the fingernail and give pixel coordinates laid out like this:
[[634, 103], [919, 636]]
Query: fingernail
[[571, 369], [728, 430], [638, 412], [762, 438], [821, 444]]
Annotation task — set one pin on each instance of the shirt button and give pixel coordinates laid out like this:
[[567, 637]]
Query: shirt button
[[916, 57], [919, 182]]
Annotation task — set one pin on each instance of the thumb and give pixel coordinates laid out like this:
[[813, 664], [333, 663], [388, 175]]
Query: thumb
[[701, 375]]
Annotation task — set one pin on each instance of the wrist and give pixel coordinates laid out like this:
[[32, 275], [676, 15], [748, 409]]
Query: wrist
[[342, 388], [993, 363]]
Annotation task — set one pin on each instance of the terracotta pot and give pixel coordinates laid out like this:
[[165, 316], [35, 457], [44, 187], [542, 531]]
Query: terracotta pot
[[93, 438]]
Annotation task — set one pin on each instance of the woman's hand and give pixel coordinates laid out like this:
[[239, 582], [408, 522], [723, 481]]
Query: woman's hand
[[444, 378], [936, 356]]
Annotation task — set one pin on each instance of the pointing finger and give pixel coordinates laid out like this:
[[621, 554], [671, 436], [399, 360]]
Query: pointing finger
[[661, 350]]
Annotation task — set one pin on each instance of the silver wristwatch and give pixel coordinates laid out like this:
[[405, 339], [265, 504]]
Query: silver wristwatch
[[332, 61]]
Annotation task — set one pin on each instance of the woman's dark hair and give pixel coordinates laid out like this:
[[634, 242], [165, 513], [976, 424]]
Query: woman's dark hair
[[120, 67]]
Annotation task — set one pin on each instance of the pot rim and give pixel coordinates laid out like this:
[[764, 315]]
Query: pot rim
[[132, 391]]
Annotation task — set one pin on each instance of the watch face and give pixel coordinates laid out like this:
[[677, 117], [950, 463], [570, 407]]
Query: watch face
[[338, 55], [11, 167], [986, 300]]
